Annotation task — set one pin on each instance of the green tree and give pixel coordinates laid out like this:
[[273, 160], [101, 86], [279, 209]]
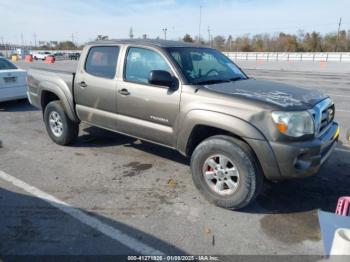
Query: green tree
[[258, 43], [66, 45], [219, 42], [312, 42], [187, 38], [229, 41], [342, 43]]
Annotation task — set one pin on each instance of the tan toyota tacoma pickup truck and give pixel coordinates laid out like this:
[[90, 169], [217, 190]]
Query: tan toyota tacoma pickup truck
[[236, 130]]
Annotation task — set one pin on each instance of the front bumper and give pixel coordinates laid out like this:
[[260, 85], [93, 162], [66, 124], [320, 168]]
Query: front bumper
[[301, 159]]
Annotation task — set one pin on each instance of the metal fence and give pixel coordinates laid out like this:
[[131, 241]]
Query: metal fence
[[289, 56], [252, 56]]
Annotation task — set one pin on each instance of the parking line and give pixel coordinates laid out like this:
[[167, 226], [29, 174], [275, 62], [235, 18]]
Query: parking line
[[342, 150], [107, 230], [342, 110], [338, 95]]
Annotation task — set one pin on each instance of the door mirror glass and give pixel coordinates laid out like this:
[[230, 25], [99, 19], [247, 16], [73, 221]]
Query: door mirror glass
[[160, 78]]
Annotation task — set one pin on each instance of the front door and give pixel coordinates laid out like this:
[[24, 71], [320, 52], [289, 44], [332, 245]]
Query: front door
[[144, 110], [95, 87]]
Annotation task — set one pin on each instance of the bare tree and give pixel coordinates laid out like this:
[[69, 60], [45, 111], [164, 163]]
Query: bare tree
[[282, 42], [102, 37]]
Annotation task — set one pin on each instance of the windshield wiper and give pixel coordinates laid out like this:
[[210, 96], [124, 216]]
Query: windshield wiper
[[212, 81], [235, 78]]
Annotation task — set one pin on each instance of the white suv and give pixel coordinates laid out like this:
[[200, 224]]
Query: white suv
[[41, 55]]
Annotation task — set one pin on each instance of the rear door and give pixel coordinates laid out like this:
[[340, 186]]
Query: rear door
[[144, 110], [95, 87]]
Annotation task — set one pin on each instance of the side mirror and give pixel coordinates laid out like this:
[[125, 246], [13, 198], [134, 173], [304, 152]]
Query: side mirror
[[160, 78]]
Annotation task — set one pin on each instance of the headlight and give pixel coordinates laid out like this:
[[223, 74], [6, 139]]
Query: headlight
[[294, 124]]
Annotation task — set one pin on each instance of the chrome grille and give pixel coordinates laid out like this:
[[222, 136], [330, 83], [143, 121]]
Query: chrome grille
[[323, 114]]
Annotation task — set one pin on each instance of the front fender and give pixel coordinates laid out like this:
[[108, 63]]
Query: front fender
[[64, 95], [239, 127], [222, 121]]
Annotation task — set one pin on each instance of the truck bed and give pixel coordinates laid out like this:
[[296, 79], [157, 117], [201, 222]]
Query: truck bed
[[57, 79]]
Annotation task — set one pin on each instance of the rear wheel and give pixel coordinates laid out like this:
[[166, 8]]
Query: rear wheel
[[60, 128], [226, 172]]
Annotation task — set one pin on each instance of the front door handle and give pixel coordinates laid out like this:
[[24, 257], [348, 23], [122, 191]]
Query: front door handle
[[124, 92], [83, 84]]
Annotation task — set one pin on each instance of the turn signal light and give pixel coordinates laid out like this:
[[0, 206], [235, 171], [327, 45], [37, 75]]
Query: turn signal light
[[282, 127]]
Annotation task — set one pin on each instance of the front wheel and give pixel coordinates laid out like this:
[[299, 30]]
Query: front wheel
[[60, 128], [226, 172]]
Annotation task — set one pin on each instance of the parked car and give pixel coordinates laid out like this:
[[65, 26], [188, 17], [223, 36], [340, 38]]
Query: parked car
[[58, 55], [41, 55], [13, 81], [236, 130], [74, 56]]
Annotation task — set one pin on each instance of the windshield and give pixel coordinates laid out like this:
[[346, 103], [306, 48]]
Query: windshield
[[6, 65], [205, 65]]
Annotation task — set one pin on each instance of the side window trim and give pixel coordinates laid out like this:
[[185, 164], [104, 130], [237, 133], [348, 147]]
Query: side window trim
[[116, 66], [150, 49]]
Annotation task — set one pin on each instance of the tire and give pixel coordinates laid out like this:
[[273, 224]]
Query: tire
[[237, 155], [62, 130]]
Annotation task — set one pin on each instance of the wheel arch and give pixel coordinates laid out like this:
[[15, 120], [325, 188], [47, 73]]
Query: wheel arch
[[50, 92], [200, 124]]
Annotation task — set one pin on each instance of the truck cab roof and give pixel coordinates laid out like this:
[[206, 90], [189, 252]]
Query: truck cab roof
[[146, 42]]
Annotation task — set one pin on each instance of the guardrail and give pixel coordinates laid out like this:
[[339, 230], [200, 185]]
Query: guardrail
[[292, 56]]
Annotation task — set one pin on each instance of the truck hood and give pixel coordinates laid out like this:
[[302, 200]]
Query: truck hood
[[287, 97]]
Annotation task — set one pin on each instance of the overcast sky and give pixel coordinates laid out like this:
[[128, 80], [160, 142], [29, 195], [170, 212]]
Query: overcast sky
[[59, 19]]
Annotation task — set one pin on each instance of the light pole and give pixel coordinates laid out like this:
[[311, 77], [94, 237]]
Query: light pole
[[2, 42], [209, 36], [336, 43], [164, 31], [200, 24]]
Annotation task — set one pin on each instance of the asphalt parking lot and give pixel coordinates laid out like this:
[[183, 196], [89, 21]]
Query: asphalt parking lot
[[143, 195]]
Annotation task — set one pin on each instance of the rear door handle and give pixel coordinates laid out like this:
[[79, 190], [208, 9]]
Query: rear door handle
[[124, 92], [83, 84]]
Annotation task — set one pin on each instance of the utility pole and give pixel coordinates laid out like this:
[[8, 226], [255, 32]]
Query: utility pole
[[4, 46], [34, 39], [164, 31], [200, 24], [73, 38], [22, 40], [76, 39], [336, 44], [131, 33]]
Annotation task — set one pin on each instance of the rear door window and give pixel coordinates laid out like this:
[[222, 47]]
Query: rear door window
[[102, 61]]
